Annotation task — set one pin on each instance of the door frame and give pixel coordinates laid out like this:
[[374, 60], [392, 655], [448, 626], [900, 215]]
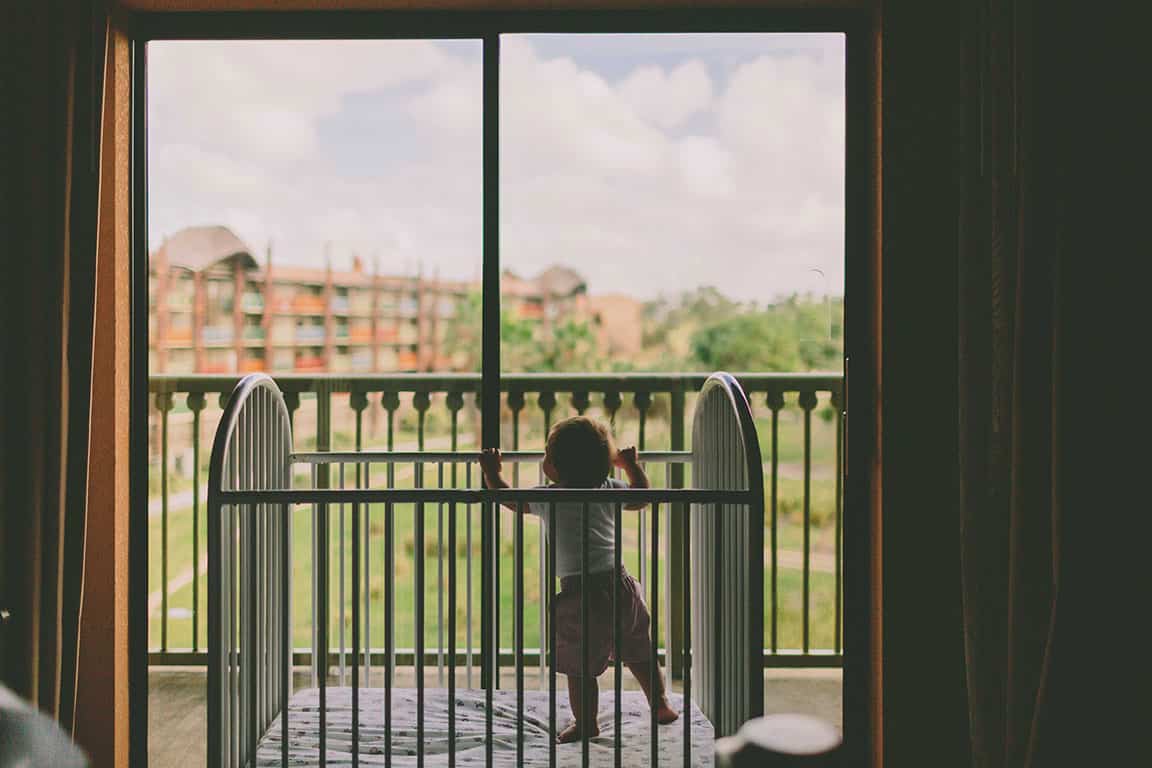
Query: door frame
[[861, 623]]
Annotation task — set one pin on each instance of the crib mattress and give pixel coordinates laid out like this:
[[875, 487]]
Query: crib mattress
[[303, 727]]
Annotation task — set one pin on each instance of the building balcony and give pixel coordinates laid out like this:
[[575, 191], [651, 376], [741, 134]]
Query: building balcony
[[797, 417]]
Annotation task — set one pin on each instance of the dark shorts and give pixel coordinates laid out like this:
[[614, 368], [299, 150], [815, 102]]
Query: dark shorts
[[635, 640]]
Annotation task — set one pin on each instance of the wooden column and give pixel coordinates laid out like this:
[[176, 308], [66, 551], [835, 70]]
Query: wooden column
[[268, 316], [420, 322], [198, 305], [159, 362], [435, 323], [238, 313], [329, 321], [375, 320]]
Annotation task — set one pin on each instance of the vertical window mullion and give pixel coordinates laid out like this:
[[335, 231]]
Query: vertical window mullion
[[490, 342]]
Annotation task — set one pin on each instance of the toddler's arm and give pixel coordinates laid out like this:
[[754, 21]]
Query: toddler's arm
[[491, 467], [626, 460]]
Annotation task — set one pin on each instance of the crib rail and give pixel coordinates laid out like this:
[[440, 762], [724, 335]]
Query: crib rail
[[250, 500]]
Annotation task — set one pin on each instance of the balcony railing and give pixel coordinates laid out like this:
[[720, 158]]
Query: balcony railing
[[798, 419]]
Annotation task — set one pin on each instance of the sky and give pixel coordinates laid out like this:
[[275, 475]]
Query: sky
[[652, 164]]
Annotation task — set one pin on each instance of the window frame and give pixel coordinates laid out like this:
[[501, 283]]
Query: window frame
[[861, 622]]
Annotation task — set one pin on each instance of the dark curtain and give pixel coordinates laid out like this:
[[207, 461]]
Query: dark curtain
[[1009, 341], [52, 88], [1037, 229]]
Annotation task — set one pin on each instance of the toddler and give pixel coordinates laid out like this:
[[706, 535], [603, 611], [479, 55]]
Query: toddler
[[580, 454]]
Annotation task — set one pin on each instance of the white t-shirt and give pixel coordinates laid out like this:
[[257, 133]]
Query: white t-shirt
[[569, 533]]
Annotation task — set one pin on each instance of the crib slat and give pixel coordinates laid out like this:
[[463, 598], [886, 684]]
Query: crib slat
[[617, 631], [367, 588], [551, 565], [419, 609], [234, 713], [452, 635], [468, 576], [163, 404], [322, 624], [285, 576], [686, 635], [518, 630], [390, 404], [355, 630], [490, 649], [585, 705], [315, 520], [656, 678], [545, 590]]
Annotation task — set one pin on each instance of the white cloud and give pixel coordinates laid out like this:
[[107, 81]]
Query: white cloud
[[668, 98], [654, 181]]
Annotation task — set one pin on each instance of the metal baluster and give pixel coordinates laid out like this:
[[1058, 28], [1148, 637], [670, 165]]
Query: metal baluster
[[775, 401], [196, 404], [547, 403], [455, 402], [359, 401], [391, 402], [807, 402], [612, 403], [440, 579], [340, 588], [643, 401], [164, 405]]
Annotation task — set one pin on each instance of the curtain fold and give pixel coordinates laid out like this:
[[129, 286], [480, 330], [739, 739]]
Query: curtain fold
[[54, 59], [1009, 342]]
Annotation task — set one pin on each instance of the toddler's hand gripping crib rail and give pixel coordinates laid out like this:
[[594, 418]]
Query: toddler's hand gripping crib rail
[[255, 717]]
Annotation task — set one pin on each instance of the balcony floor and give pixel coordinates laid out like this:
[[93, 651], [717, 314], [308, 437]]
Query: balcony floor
[[177, 716]]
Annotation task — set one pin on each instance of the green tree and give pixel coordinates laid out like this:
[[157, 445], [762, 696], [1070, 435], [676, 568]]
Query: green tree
[[524, 344], [800, 333]]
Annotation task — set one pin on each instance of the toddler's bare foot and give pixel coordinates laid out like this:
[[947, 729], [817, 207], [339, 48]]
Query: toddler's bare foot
[[665, 714], [575, 733]]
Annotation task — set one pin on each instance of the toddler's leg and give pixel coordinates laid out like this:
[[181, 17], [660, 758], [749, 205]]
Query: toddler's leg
[[653, 687], [585, 725]]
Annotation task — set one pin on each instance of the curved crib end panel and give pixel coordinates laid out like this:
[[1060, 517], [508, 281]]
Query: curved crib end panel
[[727, 546], [249, 554]]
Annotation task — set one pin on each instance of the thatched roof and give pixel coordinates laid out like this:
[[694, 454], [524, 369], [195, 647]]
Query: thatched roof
[[199, 248]]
